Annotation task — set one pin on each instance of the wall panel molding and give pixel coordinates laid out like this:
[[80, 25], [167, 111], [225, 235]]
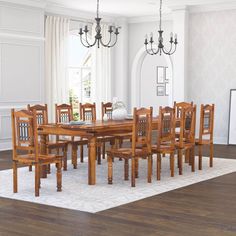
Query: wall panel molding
[[29, 72]]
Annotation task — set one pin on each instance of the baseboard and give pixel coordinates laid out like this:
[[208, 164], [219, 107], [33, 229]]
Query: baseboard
[[220, 140], [5, 146]]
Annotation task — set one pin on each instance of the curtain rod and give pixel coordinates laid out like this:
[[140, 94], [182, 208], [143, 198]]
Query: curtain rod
[[71, 19]]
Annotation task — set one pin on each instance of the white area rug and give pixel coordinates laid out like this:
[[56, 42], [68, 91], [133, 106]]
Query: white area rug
[[77, 195]]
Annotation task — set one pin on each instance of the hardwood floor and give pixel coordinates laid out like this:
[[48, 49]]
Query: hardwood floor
[[207, 208]]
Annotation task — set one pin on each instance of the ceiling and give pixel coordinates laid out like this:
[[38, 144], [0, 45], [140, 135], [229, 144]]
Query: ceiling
[[131, 8]]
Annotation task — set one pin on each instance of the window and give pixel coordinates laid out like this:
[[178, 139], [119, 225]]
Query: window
[[79, 69]]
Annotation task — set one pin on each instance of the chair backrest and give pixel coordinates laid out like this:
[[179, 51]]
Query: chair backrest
[[64, 113], [178, 106], [187, 125], [206, 121], [142, 129], [24, 132], [41, 113], [88, 112], [166, 126], [107, 109]]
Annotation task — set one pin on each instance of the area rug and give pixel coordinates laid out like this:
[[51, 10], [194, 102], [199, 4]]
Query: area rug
[[77, 195]]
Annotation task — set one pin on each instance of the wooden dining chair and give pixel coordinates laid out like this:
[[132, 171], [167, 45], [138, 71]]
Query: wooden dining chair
[[206, 132], [178, 106], [166, 138], [185, 142], [64, 114], [88, 113], [119, 138], [141, 147], [42, 119], [25, 139]]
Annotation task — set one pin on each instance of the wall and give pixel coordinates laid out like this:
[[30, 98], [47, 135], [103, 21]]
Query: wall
[[149, 82], [212, 70], [137, 32], [21, 62]]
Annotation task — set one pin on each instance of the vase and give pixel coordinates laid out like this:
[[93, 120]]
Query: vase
[[119, 114]]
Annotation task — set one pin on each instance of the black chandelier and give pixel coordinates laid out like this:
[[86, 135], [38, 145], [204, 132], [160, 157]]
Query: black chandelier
[[98, 37], [160, 47]]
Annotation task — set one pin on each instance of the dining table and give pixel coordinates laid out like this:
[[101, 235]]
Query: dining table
[[91, 131]]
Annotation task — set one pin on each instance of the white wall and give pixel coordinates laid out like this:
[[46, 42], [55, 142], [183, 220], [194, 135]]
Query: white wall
[[21, 62], [137, 32], [212, 64], [148, 96]]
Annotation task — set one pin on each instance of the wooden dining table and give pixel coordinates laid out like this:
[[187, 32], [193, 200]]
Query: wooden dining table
[[90, 131]]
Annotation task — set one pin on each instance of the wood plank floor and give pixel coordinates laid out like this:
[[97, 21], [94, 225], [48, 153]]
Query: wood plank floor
[[203, 209]]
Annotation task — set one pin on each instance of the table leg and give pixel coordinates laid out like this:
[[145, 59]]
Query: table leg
[[43, 151], [92, 161]]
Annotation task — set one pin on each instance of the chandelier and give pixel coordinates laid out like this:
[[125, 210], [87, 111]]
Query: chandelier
[[98, 37], [160, 47]]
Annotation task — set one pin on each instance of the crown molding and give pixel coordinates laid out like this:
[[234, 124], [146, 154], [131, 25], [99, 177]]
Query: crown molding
[[29, 3], [213, 7], [74, 14], [143, 19]]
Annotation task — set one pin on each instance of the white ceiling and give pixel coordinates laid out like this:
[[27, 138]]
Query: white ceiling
[[131, 8]]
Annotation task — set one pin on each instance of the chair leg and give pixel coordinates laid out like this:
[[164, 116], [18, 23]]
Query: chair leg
[[103, 150], [59, 176], [193, 159], [65, 159], [110, 169], [133, 172], [37, 179], [211, 154], [136, 167], [15, 188], [99, 154], [48, 166], [74, 155], [172, 165], [187, 156], [158, 166], [126, 167], [81, 153], [180, 161], [120, 146], [200, 157], [149, 168], [30, 168]]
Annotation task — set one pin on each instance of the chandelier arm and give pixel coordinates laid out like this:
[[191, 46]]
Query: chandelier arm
[[112, 45], [153, 51], [174, 50], [148, 50], [107, 44], [168, 52], [82, 41]]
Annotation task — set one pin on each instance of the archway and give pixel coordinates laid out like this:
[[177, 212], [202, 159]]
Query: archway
[[136, 77]]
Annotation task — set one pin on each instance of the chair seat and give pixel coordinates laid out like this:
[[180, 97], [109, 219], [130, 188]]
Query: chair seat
[[127, 152], [43, 159], [57, 144], [202, 142], [165, 148], [124, 135], [186, 145]]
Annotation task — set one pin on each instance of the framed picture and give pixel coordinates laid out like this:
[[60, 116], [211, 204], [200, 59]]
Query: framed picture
[[161, 74], [161, 90], [167, 90]]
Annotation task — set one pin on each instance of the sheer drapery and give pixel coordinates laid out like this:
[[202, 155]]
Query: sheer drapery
[[56, 59], [101, 70]]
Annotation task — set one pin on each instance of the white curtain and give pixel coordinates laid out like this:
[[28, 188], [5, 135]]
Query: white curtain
[[101, 71], [56, 57]]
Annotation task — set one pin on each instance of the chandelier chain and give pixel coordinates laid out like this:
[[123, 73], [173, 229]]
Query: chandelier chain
[[160, 10], [97, 8]]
